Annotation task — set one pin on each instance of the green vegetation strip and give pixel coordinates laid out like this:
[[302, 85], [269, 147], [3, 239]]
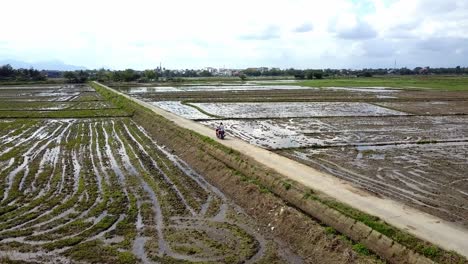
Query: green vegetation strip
[[420, 246], [46, 82], [454, 83], [65, 113], [201, 110]]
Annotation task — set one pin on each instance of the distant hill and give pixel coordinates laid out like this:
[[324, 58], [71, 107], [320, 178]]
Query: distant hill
[[42, 65]]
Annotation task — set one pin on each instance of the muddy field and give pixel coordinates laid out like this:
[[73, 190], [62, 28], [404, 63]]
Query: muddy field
[[293, 109], [73, 186], [346, 131], [67, 101], [431, 177], [430, 108], [64, 93], [338, 94], [408, 145], [183, 110], [106, 182]]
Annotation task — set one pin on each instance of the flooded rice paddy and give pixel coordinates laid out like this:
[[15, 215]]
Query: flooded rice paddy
[[431, 177], [180, 109], [207, 88], [72, 187], [344, 131], [407, 145], [272, 110], [66, 101], [294, 109]]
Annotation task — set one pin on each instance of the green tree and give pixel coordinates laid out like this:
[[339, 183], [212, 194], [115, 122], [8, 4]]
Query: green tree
[[82, 77], [103, 75], [130, 75], [243, 77], [318, 75], [205, 73], [150, 74], [70, 76], [7, 72]]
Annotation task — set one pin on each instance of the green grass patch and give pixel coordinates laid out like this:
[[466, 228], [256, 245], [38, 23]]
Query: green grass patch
[[454, 83], [361, 249], [422, 247], [421, 142], [96, 252], [46, 82], [200, 109], [66, 113], [330, 230], [287, 185]]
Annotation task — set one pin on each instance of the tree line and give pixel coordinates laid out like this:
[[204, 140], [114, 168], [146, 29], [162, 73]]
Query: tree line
[[130, 75], [325, 73], [8, 73]]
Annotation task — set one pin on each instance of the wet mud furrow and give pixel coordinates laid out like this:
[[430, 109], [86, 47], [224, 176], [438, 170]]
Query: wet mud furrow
[[164, 248], [107, 181], [431, 177]]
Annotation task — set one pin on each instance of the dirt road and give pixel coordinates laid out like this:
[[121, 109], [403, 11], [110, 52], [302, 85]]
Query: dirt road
[[430, 228]]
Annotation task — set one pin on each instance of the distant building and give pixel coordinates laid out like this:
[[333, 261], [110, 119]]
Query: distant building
[[424, 70], [211, 70], [224, 72]]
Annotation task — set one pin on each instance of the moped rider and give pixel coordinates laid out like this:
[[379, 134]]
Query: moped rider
[[220, 129]]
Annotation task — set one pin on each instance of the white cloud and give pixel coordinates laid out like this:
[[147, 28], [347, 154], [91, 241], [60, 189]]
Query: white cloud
[[194, 34], [305, 27]]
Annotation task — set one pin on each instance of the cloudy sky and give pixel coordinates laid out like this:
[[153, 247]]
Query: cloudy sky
[[236, 34]]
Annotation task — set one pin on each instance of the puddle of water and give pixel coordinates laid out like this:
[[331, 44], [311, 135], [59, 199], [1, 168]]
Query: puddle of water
[[385, 96]]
